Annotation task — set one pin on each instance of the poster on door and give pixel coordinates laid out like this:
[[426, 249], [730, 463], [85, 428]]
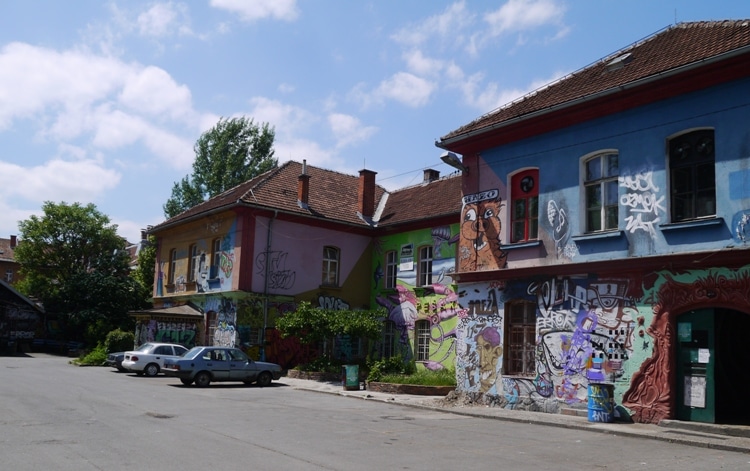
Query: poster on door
[[695, 391]]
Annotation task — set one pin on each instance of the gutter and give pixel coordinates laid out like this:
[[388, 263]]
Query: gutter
[[445, 144]]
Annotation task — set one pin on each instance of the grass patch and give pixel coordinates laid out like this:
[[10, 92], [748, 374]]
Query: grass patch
[[445, 377]]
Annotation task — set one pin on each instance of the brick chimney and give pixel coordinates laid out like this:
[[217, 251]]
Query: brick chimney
[[303, 187], [366, 193], [13, 242], [430, 175]]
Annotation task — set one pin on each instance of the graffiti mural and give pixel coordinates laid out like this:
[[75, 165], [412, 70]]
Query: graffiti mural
[[577, 319], [643, 203], [225, 332], [741, 226], [273, 265], [559, 227], [181, 332], [479, 243]]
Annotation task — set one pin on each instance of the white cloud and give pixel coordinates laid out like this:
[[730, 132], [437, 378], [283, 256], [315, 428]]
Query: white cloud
[[249, 11], [446, 26], [102, 100], [57, 180], [418, 63], [520, 15], [163, 19], [402, 87], [288, 120], [348, 130]]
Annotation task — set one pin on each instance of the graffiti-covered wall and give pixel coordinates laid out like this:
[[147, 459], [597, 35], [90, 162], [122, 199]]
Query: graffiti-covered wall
[[410, 300], [204, 258]]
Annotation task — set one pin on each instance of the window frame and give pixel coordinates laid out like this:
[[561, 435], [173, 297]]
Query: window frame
[[606, 183], [422, 340], [391, 269], [331, 266], [215, 257], [693, 169], [172, 266], [424, 265], [528, 218], [519, 358], [194, 261], [388, 345]]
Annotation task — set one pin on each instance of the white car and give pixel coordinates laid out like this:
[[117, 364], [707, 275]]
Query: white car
[[149, 358]]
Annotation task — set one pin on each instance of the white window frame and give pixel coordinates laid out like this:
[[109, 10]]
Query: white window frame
[[331, 262], [606, 183], [424, 275], [391, 269]]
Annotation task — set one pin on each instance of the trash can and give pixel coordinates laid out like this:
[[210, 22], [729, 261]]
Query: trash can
[[350, 377], [601, 402]]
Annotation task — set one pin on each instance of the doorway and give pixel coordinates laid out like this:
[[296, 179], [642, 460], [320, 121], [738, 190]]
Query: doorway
[[712, 371]]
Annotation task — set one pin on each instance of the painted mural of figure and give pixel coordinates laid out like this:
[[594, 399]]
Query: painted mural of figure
[[402, 310], [479, 246], [490, 351]]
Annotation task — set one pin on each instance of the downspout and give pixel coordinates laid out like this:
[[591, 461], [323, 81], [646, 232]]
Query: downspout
[[265, 289]]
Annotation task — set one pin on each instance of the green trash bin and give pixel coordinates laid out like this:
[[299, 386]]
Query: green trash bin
[[350, 375]]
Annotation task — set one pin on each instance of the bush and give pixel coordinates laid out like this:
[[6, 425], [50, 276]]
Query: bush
[[444, 377], [118, 341], [96, 357], [390, 366], [322, 365]]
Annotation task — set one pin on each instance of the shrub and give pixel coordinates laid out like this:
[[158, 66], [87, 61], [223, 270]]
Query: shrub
[[95, 357], [118, 341], [390, 366], [444, 377]]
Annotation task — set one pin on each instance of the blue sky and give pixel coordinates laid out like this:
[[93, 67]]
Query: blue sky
[[101, 102]]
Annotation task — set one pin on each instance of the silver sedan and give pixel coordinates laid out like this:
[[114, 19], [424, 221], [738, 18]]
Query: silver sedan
[[204, 365]]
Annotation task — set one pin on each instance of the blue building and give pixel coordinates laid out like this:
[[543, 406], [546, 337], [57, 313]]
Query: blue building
[[604, 234]]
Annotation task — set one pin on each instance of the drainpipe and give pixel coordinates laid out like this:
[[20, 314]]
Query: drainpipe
[[265, 289]]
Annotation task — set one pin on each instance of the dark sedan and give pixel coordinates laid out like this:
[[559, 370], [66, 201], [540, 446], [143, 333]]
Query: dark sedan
[[204, 365]]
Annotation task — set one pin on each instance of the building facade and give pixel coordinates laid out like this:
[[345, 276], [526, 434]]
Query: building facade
[[604, 233]]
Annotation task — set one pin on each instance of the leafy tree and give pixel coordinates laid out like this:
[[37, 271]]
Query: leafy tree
[[312, 325], [233, 151], [74, 262], [144, 272]]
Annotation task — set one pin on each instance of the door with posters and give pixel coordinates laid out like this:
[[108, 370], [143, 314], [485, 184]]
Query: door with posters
[[696, 360]]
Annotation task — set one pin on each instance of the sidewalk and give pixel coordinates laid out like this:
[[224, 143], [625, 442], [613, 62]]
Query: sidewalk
[[720, 437]]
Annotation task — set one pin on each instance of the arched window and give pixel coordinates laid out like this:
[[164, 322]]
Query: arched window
[[600, 184], [692, 175], [524, 202], [330, 266]]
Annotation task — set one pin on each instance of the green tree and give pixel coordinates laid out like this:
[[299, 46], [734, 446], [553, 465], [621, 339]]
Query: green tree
[[144, 272], [313, 325], [74, 262], [233, 151]]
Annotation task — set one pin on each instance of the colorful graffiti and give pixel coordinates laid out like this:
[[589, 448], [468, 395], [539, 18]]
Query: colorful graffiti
[[184, 333], [480, 233]]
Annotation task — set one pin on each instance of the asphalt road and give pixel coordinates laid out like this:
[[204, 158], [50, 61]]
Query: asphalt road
[[57, 416]]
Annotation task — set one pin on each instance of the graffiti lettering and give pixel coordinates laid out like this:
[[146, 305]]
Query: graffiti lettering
[[643, 203], [274, 264], [332, 303]]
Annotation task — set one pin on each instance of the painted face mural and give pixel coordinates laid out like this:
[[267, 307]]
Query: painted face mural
[[479, 247], [490, 351]]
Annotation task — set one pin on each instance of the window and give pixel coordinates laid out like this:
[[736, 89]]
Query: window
[[215, 258], [600, 184], [422, 339], [194, 260], [425, 266], [172, 265], [390, 269], [388, 348], [330, 266], [524, 196], [521, 338], [210, 327], [691, 175], [9, 276]]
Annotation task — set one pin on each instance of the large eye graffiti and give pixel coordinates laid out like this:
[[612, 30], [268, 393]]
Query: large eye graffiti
[[527, 184], [471, 215], [488, 213]]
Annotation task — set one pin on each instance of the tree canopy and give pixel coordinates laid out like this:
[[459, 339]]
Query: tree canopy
[[74, 262], [233, 151], [310, 324]]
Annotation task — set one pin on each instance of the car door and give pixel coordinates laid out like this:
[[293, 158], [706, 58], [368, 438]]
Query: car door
[[241, 368], [161, 352], [219, 364]]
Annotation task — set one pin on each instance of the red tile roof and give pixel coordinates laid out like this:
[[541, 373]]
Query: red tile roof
[[6, 252], [333, 196], [428, 200], [676, 47]]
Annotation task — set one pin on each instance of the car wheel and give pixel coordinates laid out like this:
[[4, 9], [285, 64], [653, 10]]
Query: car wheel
[[186, 381], [152, 369], [202, 379], [264, 379]]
